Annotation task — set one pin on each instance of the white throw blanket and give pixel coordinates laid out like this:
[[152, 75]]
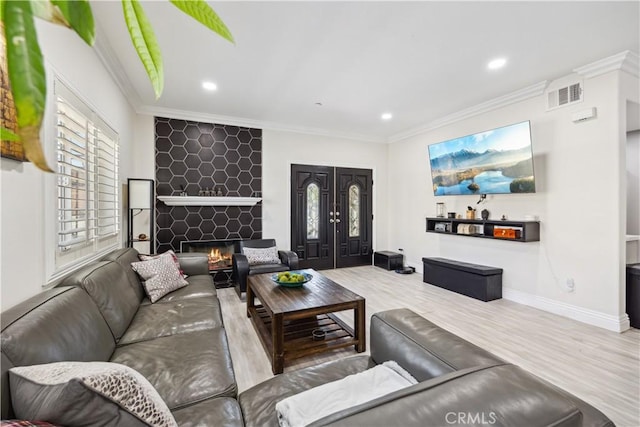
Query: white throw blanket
[[304, 408]]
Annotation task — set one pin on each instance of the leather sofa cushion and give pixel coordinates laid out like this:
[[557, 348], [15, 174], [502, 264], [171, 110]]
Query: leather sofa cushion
[[259, 402], [268, 268], [199, 286], [107, 284], [219, 412], [56, 325], [184, 368], [125, 257], [500, 395], [175, 317], [421, 347]]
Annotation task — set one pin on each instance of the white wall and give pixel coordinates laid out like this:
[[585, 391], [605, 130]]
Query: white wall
[[577, 200], [144, 152], [25, 258], [282, 149]]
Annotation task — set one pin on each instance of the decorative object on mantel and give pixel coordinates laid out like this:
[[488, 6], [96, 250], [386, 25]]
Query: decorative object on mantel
[[209, 201], [485, 214], [504, 218], [470, 213], [440, 210]]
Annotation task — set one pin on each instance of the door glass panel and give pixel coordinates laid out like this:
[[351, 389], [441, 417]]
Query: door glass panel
[[354, 211], [313, 210]]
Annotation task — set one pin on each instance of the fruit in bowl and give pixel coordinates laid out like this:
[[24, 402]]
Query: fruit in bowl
[[290, 277]]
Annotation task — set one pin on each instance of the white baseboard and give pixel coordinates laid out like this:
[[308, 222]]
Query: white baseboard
[[591, 317]]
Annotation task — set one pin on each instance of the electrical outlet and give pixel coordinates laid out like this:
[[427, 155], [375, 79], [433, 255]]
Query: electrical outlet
[[570, 284]]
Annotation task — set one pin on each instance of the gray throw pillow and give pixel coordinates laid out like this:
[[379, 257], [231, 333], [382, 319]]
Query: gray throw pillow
[[160, 275], [87, 394], [256, 256], [170, 252]]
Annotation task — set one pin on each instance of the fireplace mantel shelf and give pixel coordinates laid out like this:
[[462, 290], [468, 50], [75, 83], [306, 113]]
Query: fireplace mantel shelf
[[208, 201]]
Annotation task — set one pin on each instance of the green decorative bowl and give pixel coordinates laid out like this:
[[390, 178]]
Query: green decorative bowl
[[307, 277]]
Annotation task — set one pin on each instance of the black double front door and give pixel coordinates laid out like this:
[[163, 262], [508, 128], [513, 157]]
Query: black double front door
[[331, 216]]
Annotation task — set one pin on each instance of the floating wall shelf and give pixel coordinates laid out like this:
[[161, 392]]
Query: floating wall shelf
[[208, 201]]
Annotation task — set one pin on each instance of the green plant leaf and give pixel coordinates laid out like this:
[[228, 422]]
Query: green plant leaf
[[26, 75], [145, 43], [203, 13], [30, 136], [44, 9], [24, 63], [7, 135], [79, 16]]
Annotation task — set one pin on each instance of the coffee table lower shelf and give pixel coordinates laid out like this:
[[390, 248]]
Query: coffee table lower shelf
[[298, 341]]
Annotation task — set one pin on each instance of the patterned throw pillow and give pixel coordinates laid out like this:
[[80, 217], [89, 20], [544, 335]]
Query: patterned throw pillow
[[257, 256], [160, 276], [87, 393], [173, 255]]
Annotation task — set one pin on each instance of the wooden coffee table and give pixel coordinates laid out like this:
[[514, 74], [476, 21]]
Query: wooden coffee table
[[287, 316]]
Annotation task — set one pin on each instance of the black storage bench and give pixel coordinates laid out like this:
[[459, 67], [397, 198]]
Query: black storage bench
[[633, 294], [473, 280], [387, 260]]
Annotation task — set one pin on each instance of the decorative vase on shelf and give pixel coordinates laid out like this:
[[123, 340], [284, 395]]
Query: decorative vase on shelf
[[440, 209]]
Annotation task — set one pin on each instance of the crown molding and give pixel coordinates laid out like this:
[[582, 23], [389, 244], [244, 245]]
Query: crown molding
[[250, 123], [110, 61], [493, 104], [626, 61]]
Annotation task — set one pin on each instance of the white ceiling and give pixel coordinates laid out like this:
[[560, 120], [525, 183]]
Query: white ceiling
[[418, 60]]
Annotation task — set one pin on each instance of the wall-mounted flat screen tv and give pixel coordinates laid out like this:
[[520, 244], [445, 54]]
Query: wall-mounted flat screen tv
[[498, 161]]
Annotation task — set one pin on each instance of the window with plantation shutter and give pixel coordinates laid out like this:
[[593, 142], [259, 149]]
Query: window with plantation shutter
[[87, 181]]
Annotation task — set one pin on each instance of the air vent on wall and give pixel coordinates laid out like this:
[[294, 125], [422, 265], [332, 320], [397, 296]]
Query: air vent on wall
[[563, 96]]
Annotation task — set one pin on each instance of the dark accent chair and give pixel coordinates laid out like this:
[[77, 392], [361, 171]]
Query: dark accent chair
[[242, 269]]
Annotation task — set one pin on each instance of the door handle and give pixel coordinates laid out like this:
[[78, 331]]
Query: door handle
[[332, 221], [338, 220], [330, 213], [337, 213]]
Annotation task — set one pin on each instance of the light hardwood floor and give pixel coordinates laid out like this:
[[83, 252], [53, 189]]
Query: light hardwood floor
[[599, 366]]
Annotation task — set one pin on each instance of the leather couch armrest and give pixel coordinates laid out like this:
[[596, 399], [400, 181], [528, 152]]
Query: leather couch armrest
[[240, 270], [193, 263], [501, 394], [240, 263], [289, 258], [422, 347]]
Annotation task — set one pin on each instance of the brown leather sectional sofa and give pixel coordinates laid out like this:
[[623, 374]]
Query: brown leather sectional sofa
[[179, 344]]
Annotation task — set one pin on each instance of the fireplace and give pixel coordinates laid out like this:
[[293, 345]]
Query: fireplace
[[218, 251]]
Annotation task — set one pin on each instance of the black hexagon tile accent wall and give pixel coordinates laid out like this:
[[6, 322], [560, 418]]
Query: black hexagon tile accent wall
[[197, 156]]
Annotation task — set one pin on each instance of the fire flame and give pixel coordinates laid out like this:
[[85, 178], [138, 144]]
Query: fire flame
[[217, 258]]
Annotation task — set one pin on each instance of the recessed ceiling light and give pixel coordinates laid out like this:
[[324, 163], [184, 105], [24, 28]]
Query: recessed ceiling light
[[386, 116], [496, 63], [209, 85]]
